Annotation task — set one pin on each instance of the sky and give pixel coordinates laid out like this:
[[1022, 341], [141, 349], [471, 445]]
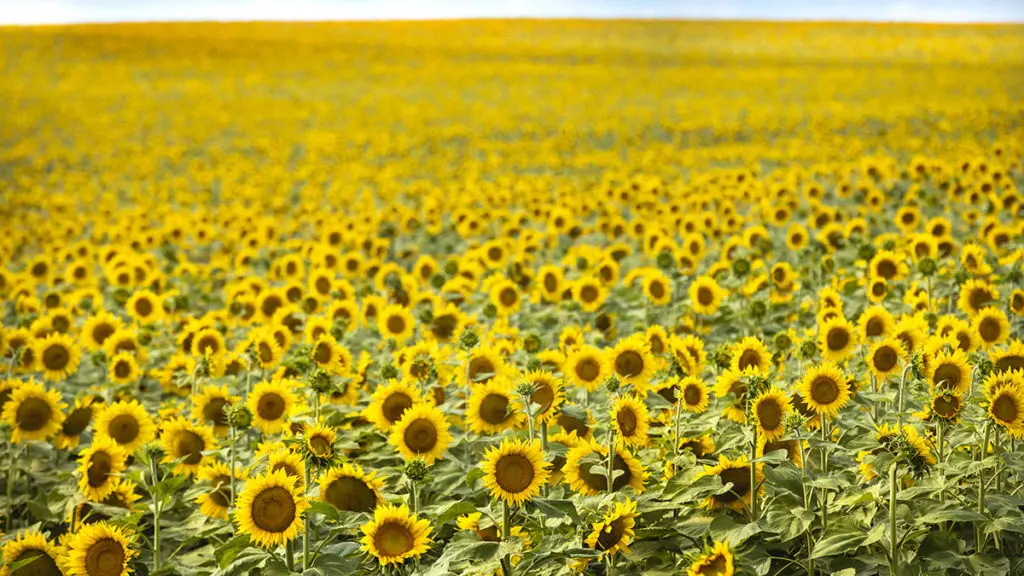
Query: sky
[[77, 11]]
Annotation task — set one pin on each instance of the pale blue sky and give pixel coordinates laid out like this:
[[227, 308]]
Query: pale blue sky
[[73, 11]]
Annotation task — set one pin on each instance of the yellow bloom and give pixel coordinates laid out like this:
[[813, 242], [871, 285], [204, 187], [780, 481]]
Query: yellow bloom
[[421, 433], [515, 470], [395, 535], [270, 508], [33, 413]]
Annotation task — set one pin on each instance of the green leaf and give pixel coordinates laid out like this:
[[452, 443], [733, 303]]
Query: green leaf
[[838, 544], [951, 515], [556, 508], [473, 475], [454, 510], [226, 554], [325, 509]]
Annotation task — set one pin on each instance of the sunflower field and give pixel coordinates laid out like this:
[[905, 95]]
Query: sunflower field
[[512, 297]]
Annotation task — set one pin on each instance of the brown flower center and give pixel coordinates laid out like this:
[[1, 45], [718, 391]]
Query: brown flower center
[[273, 509], [514, 473], [105, 558]]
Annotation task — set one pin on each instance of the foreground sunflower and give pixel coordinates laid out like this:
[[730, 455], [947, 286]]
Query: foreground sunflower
[[269, 509], [99, 550], [718, 561], [33, 412], [40, 556], [126, 423], [1006, 408], [493, 408], [515, 470], [770, 409], [825, 389], [949, 371], [421, 433], [395, 535], [350, 489], [615, 531]]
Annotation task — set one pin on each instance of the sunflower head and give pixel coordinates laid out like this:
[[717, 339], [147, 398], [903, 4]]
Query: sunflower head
[[100, 550], [184, 443], [769, 410], [349, 488], [736, 473], [269, 509], [493, 407], [716, 561], [39, 555], [272, 404], [629, 416], [395, 535], [421, 432], [33, 412], [515, 470], [825, 389], [615, 530]]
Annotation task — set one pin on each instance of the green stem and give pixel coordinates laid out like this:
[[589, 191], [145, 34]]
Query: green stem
[[611, 458], [999, 460], [824, 471], [903, 384], [306, 529], [506, 535], [12, 474], [940, 436], [154, 470], [231, 454], [978, 537], [754, 512], [544, 445], [678, 419], [894, 545], [289, 556], [807, 501]]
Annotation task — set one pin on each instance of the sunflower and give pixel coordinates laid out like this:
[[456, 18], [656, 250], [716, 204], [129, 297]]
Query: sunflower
[[825, 389], [390, 401], [484, 363], [491, 532], [737, 473], [319, 443], [991, 326], [884, 357], [210, 407], [689, 354], [349, 488], [582, 461], [265, 347], [98, 467], [123, 369], [216, 502], [700, 446], [587, 367], [770, 409], [504, 296], [837, 339], [888, 265], [945, 405], [997, 380], [694, 394], [1016, 302], [1008, 359], [1006, 408], [396, 323], [269, 509], [39, 556], [421, 433], [343, 314], [912, 332], [590, 293], [875, 322], [706, 295], [124, 340], [751, 353], [76, 423], [272, 404], [208, 342], [493, 408], [57, 356], [395, 535], [975, 295], [291, 463], [949, 371], [184, 443], [447, 324], [126, 423], [658, 288], [328, 355], [98, 328], [515, 470], [630, 417], [33, 413], [550, 283], [731, 381], [632, 362], [547, 394], [877, 289], [145, 307], [615, 531], [716, 562]]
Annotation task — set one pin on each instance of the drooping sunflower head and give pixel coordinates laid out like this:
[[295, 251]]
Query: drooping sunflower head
[[493, 407], [615, 530], [718, 561], [269, 509], [688, 353], [395, 535], [421, 433], [37, 555], [515, 470], [390, 401], [769, 410], [184, 443], [701, 446], [825, 389], [100, 549], [582, 462], [349, 488], [751, 352], [997, 380], [33, 412], [127, 423], [272, 404], [629, 416]]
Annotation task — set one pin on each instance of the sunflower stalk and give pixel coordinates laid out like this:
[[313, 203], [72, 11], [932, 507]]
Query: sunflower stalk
[[308, 525], [754, 512], [824, 471], [610, 476], [940, 436], [506, 535], [12, 471], [154, 470], [544, 446], [978, 534], [894, 545], [900, 393], [807, 500]]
